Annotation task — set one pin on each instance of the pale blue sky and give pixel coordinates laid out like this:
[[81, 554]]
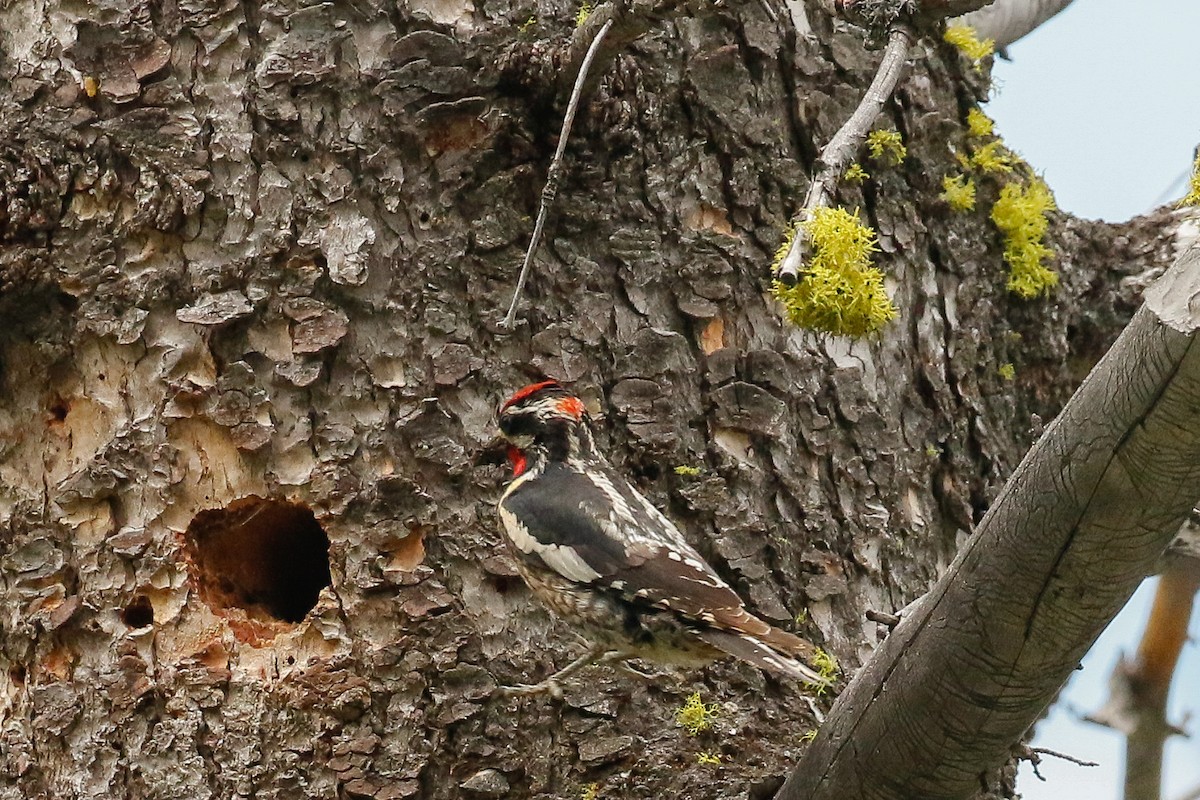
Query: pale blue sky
[[1104, 100]]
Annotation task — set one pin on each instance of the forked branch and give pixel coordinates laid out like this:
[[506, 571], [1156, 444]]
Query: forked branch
[[838, 154]]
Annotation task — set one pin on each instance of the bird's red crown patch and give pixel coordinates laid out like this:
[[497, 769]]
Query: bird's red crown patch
[[526, 391]]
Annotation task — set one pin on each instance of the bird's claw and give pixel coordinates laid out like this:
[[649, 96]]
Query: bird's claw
[[633, 671], [550, 687]]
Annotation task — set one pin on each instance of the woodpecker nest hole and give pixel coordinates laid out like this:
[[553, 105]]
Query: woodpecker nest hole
[[268, 559], [139, 613]]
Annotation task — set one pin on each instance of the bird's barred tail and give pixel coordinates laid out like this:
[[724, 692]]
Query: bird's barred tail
[[754, 651]]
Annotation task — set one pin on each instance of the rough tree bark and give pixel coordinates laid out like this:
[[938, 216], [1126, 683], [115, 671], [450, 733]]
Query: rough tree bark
[[254, 257]]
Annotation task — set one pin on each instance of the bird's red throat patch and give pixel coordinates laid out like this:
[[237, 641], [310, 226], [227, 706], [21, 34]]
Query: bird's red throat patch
[[517, 459]]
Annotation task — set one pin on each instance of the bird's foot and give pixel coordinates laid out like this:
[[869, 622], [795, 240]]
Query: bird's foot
[[621, 661], [553, 685]]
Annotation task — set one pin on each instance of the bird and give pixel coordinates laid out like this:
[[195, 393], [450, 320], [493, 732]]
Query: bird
[[602, 557]]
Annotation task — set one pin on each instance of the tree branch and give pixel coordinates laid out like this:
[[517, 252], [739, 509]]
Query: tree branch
[[837, 154], [550, 190], [1006, 21], [1079, 524], [1137, 704]]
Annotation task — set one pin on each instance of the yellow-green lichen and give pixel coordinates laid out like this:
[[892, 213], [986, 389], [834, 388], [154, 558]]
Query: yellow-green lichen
[[685, 471], [590, 791], [808, 735], [993, 158], [585, 11], [959, 192], [708, 759], [979, 124], [968, 43], [826, 666], [841, 293], [887, 147], [1021, 215], [694, 716], [1007, 371], [855, 173], [527, 24], [1192, 198]]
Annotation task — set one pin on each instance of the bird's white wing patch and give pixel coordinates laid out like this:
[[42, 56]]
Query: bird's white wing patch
[[560, 558]]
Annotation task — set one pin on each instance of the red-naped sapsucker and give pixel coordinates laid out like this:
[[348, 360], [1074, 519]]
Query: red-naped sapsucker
[[600, 555]]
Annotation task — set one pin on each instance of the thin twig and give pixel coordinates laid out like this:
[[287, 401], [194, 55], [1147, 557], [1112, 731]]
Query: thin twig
[[837, 154], [1034, 756], [553, 176]]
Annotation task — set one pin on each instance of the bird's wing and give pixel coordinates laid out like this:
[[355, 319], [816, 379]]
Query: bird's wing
[[593, 527]]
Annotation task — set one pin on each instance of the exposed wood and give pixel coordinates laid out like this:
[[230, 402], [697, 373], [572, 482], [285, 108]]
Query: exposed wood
[[1006, 21]]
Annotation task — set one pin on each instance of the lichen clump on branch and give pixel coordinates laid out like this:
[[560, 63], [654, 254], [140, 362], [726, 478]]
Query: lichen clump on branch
[[1020, 214], [1019, 211], [1192, 198], [841, 293], [969, 44]]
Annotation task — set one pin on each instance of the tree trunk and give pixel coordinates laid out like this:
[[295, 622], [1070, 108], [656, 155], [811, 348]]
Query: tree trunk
[[254, 262]]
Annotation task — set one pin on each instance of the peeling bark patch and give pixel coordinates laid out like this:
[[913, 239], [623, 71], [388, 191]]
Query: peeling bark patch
[[258, 560], [712, 338], [408, 553], [139, 613]]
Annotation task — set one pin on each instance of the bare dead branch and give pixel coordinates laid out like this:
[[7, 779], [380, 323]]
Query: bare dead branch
[[1034, 756], [841, 148], [1082, 520], [554, 175], [1006, 21], [1138, 689]]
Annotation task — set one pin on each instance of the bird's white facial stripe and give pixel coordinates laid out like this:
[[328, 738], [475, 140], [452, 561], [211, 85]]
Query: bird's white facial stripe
[[563, 560]]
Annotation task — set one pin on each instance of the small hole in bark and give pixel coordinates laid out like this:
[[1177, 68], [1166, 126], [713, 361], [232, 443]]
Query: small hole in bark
[[269, 558], [139, 613], [648, 471], [59, 408], [503, 584]]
